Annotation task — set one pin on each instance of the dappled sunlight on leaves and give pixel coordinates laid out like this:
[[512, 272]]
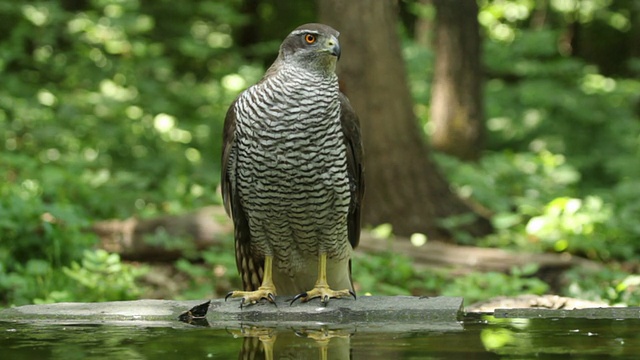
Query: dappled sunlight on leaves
[[479, 286], [114, 109]]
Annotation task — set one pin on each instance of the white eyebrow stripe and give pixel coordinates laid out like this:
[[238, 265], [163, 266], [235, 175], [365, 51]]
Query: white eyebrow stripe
[[299, 32]]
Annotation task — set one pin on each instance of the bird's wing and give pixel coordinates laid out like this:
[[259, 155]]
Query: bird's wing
[[355, 166], [228, 144], [251, 268]]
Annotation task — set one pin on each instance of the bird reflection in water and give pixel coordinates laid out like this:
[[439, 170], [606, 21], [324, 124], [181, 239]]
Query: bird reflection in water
[[303, 343]]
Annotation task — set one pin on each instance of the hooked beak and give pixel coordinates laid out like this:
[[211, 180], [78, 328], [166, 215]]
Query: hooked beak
[[334, 46]]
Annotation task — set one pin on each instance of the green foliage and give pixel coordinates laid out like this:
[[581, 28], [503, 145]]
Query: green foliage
[[107, 109], [505, 180], [578, 226], [111, 108], [528, 195], [611, 284], [562, 138], [481, 286], [560, 173], [394, 274], [99, 276], [562, 106], [122, 102], [565, 107], [211, 278], [30, 227], [385, 274], [199, 280]]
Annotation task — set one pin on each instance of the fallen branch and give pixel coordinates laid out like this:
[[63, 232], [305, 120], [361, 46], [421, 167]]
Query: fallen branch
[[131, 238], [436, 254], [210, 226]]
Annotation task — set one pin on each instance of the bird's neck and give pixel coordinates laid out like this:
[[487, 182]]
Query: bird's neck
[[304, 77]]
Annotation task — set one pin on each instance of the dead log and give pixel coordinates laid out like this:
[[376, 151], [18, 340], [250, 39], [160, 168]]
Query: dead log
[[436, 254], [133, 238], [210, 226]]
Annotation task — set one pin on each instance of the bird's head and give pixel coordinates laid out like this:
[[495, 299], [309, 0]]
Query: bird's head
[[313, 47]]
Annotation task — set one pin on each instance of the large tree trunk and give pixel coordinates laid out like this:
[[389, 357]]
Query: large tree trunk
[[424, 25], [404, 187], [601, 44], [456, 100]]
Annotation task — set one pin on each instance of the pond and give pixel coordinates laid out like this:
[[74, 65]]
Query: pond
[[476, 336]]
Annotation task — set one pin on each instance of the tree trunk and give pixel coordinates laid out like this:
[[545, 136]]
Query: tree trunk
[[456, 100], [404, 188], [422, 32], [600, 43]]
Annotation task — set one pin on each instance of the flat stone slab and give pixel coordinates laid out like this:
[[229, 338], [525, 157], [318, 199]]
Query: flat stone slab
[[373, 313], [592, 313]]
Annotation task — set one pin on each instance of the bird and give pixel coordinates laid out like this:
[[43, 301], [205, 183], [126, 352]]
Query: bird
[[292, 176]]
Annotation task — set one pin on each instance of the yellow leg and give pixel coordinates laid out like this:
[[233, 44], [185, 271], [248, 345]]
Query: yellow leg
[[323, 341], [267, 345], [321, 288], [256, 340], [267, 289]]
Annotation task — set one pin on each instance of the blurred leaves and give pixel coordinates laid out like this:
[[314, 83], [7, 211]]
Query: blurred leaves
[[560, 173], [112, 109], [107, 109], [481, 286]]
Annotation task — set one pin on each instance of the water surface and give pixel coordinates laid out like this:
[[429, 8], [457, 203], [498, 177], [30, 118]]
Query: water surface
[[477, 337]]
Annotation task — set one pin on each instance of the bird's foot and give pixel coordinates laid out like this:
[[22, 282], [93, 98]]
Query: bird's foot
[[324, 293], [251, 297], [256, 340]]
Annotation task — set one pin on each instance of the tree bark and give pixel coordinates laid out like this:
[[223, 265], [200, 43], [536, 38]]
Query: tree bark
[[404, 187], [599, 43], [423, 29], [456, 114]]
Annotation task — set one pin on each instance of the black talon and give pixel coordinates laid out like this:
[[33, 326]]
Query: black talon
[[353, 293], [242, 302], [304, 294], [228, 295], [272, 298], [325, 300]]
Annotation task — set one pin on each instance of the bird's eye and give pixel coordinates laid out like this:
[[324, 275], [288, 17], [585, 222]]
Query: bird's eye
[[310, 38]]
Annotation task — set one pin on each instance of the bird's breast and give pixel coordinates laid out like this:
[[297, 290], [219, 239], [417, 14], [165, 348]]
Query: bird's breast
[[292, 174]]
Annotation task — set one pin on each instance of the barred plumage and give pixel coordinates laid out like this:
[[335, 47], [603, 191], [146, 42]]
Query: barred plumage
[[292, 174]]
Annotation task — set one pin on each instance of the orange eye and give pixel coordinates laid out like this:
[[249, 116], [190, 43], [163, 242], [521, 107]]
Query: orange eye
[[310, 38]]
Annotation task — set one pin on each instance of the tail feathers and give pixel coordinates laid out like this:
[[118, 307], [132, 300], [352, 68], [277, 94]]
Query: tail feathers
[[251, 269]]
